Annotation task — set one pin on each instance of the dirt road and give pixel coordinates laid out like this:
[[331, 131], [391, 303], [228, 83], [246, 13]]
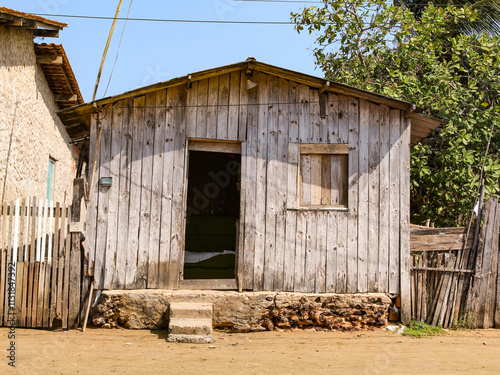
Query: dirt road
[[306, 352]]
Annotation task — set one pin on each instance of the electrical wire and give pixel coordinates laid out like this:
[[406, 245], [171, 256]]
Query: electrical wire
[[118, 50]]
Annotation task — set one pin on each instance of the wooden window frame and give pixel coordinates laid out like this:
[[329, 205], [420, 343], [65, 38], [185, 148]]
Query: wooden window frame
[[320, 149]]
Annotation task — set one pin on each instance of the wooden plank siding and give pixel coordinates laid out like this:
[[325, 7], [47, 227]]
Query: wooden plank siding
[[325, 218]]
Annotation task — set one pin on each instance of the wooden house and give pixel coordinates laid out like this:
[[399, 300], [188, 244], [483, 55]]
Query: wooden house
[[250, 177]]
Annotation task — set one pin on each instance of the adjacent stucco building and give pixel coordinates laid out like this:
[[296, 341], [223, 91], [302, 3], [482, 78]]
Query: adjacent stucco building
[[37, 157]]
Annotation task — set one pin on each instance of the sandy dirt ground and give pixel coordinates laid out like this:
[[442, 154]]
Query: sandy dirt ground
[[306, 352]]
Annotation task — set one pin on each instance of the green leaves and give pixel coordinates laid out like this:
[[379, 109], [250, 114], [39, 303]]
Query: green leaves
[[428, 61]]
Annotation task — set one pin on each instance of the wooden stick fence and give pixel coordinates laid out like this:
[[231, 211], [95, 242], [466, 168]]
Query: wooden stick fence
[[455, 276], [34, 245]]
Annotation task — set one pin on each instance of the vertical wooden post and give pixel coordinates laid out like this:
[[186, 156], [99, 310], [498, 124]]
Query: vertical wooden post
[[75, 273]]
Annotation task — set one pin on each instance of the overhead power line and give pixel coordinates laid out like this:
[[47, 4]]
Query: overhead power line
[[193, 21], [165, 20]]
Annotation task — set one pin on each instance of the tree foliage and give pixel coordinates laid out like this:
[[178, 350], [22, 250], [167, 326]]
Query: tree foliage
[[488, 12], [427, 61]]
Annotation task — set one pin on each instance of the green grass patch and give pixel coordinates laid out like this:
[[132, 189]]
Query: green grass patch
[[463, 322], [419, 329]]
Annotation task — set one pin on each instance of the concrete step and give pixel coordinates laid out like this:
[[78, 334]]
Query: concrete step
[[181, 326], [193, 339], [190, 310]]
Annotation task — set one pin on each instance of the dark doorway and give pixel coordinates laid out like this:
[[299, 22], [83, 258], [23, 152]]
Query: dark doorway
[[213, 210]]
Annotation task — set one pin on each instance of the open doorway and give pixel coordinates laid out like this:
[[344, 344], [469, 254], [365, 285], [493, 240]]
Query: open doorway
[[213, 211]]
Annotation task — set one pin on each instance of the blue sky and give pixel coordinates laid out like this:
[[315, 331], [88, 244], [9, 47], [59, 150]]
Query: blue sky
[[157, 51]]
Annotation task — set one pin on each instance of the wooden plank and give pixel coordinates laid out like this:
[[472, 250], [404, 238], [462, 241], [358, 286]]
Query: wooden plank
[[93, 199], [441, 241], [50, 231], [24, 297], [314, 118], [336, 182], [55, 261], [347, 107], [304, 114], [331, 252], [157, 184], [316, 179], [260, 211], [110, 149], [342, 271], [273, 184], [75, 259], [305, 179], [46, 296], [212, 107], [353, 191], [211, 146], [300, 253], [363, 203], [43, 248], [33, 213], [290, 249], [202, 112], [394, 223], [34, 302], [19, 294], [60, 260], [311, 252], [135, 193], [243, 107], [234, 102], [332, 111], [123, 170], [291, 217], [8, 260], [384, 209], [28, 229], [326, 179], [321, 240], [223, 107], [146, 186], [240, 224], [39, 295], [178, 187], [3, 268], [191, 110], [167, 182], [489, 269], [249, 166], [404, 208], [103, 166], [282, 178], [294, 113], [373, 198], [22, 227], [338, 148], [66, 286]]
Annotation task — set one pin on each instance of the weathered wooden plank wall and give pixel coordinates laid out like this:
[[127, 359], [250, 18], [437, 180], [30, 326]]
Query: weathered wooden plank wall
[[139, 220]]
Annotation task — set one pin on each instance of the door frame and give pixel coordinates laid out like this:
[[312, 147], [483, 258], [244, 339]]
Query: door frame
[[221, 146]]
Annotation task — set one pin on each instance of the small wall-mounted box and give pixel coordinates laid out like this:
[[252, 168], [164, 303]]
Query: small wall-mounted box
[[106, 181]]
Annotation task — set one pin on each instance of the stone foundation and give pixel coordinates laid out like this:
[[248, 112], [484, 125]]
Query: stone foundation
[[244, 312]]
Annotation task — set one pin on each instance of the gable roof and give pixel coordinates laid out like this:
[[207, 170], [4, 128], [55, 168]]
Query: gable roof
[[38, 25], [422, 126], [59, 74]]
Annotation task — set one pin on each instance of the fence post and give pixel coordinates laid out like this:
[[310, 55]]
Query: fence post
[[75, 257]]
